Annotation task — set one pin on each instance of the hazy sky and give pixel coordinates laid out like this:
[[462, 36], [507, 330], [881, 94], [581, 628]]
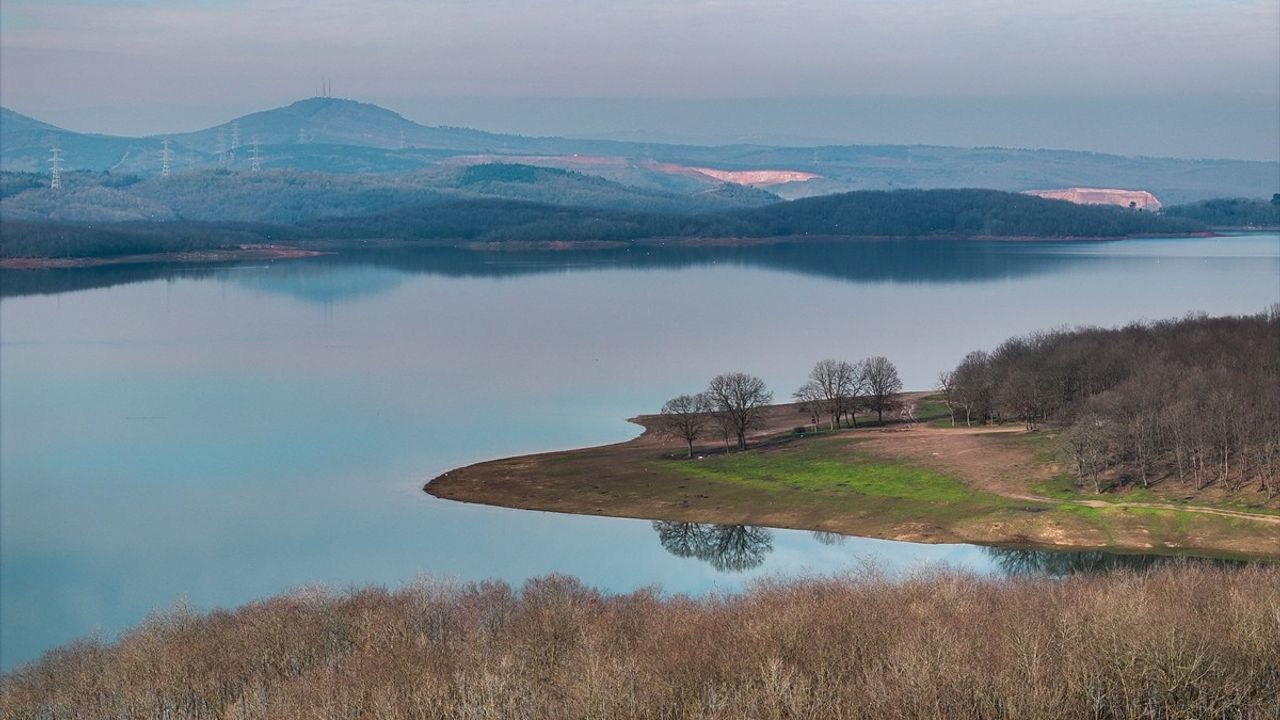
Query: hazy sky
[[155, 65]]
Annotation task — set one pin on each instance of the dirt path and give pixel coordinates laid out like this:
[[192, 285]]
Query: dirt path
[[999, 468]]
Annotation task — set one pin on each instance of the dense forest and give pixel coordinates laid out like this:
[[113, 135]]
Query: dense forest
[[442, 218], [68, 240], [951, 212], [1176, 642], [1231, 212], [1194, 401]]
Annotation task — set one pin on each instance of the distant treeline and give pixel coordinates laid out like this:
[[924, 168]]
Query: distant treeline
[[1178, 642], [899, 213], [1195, 401], [903, 213], [297, 196], [68, 240], [1231, 212]]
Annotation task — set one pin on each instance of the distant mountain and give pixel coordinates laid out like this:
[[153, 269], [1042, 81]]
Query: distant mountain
[[340, 136], [336, 121], [16, 124], [25, 145]]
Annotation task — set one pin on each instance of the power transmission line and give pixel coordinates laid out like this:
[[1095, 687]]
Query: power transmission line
[[166, 155], [55, 168]]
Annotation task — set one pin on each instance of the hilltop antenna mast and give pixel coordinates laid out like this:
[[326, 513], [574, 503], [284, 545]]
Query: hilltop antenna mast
[[166, 156], [255, 160], [402, 143], [55, 168], [222, 148]]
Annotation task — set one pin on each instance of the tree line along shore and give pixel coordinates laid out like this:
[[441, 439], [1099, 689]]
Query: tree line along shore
[[1161, 435], [468, 221]]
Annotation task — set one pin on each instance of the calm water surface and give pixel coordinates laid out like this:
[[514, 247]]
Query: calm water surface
[[223, 434]]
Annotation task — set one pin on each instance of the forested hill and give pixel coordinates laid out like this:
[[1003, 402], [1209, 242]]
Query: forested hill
[[898, 213], [902, 213], [1231, 212], [293, 196], [951, 212]]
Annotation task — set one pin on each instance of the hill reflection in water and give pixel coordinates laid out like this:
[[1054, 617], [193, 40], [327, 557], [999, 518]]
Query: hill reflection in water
[[349, 275]]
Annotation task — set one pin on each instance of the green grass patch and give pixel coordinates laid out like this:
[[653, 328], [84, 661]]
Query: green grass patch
[[932, 410], [827, 467]]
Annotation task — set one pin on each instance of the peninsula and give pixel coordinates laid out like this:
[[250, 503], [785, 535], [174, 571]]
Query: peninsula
[[1085, 438], [919, 482]]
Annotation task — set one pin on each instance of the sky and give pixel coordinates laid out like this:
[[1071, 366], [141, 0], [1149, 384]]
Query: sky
[[1170, 77]]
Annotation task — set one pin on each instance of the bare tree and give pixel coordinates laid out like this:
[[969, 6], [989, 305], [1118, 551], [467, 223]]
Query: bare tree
[[882, 385], [740, 399], [1089, 439], [973, 386], [836, 382], [685, 417], [811, 401], [947, 386]]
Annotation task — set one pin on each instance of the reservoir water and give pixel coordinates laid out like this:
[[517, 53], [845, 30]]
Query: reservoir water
[[220, 434]]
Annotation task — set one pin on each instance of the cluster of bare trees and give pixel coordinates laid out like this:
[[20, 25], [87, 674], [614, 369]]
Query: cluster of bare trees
[[838, 389], [1196, 399], [734, 404]]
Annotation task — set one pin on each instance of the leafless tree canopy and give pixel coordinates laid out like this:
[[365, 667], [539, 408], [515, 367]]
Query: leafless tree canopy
[[833, 386], [946, 386], [882, 385], [811, 401], [740, 399], [686, 418], [1196, 400]]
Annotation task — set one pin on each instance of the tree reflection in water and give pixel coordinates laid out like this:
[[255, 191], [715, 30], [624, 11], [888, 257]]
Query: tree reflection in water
[[1057, 563], [728, 548], [828, 538], [737, 548]]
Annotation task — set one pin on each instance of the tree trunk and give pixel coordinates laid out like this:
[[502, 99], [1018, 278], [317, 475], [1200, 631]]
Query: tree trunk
[[742, 440], [691, 448]]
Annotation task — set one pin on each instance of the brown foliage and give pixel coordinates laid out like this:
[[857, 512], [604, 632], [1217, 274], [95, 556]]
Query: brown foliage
[[1196, 400], [1181, 641]]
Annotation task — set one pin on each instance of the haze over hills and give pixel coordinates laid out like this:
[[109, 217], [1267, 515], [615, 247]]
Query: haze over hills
[[340, 136], [289, 196]]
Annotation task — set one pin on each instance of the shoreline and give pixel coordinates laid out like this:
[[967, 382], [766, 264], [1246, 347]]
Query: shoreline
[[911, 483], [244, 252], [330, 247]]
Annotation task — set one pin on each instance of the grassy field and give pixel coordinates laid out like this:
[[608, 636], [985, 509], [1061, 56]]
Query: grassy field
[[824, 467]]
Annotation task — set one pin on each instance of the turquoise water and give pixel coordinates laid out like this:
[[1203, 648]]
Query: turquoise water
[[222, 434]]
